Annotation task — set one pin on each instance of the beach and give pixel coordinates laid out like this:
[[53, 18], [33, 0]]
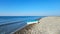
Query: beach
[[46, 25]]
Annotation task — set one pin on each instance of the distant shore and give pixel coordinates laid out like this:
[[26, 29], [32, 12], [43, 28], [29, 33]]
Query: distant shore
[[46, 25]]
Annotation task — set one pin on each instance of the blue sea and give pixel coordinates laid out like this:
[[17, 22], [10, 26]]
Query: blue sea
[[12, 19], [10, 24]]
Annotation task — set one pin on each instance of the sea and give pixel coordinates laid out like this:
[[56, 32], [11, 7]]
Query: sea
[[11, 24]]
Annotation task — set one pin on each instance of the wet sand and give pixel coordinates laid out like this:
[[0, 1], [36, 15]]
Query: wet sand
[[46, 25]]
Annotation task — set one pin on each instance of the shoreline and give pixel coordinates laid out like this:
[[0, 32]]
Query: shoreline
[[46, 25]]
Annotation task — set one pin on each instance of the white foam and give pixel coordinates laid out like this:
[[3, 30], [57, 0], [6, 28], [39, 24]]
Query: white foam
[[32, 22]]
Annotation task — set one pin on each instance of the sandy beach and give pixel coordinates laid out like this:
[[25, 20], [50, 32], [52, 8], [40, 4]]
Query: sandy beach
[[46, 25]]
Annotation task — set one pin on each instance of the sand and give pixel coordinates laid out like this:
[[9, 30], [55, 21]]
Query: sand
[[46, 25]]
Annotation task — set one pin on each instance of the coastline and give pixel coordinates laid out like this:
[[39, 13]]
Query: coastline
[[46, 25], [30, 25]]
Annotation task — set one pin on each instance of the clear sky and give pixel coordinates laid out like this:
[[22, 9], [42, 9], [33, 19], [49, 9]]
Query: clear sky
[[29, 7]]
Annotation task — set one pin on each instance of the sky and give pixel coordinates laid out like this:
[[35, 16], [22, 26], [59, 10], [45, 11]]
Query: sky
[[29, 7]]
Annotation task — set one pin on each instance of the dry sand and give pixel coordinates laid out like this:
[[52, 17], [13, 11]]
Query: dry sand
[[46, 25]]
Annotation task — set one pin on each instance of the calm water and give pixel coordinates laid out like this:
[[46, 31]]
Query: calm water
[[12, 19], [10, 24]]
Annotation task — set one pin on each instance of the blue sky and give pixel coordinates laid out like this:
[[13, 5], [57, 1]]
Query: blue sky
[[29, 7]]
